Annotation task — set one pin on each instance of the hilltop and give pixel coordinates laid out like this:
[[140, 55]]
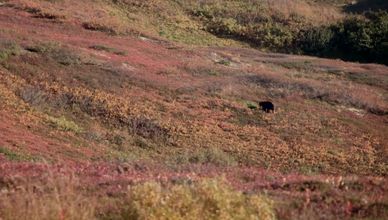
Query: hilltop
[[96, 96]]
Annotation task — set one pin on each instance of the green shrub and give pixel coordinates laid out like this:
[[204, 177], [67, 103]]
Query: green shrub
[[316, 40], [8, 49], [227, 26], [244, 22], [210, 199], [224, 62], [271, 35], [356, 34], [365, 38], [251, 105], [10, 155], [356, 38], [63, 124]]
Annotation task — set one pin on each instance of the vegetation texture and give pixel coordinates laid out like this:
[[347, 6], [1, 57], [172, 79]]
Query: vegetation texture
[[150, 109]]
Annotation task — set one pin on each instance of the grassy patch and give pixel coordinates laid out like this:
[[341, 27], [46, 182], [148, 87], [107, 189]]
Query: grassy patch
[[251, 105], [13, 156], [225, 62], [212, 155], [55, 198], [301, 66], [8, 49], [202, 70], [9, 154], [243, 117], [368, 79]]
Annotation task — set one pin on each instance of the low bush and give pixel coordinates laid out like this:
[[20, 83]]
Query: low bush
[[251, 105], [64, 124], [148, 128], [316, 40], [32, 95], [109, 49], [210, 199], [272, 35], [93, 26], [264, 34], [55, 51], [39, 13], [8, 49], [43, 48]]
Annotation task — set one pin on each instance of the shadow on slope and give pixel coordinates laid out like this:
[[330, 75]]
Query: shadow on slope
[[367, 5]]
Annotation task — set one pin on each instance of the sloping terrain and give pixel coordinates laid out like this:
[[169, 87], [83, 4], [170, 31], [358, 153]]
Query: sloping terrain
[[111, 107]]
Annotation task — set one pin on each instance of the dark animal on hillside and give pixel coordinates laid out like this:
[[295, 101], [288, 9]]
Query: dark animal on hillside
[[267, 106]]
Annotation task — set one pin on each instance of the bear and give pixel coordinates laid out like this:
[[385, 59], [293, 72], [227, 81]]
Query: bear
[[267, 106]]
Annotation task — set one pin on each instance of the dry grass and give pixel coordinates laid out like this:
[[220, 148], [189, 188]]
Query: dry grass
[[61, 196], [58, 198], [316, 13]]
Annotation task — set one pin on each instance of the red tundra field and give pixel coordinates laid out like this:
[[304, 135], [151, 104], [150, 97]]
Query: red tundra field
[[130, 110]]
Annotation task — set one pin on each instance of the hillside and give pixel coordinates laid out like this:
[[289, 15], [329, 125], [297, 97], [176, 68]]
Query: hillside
[[131, 109]]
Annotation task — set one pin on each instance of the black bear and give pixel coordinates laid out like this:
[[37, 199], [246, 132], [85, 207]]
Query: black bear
[[267, 106]]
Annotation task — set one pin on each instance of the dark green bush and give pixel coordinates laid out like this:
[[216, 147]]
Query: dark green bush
[[362, 39], [366, 39], [366, 5], [316, 40], [224, 27], [357, 35], [271, 35]]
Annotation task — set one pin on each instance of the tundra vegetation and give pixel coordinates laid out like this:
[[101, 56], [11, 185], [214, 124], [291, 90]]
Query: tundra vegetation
[[129, 109]]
